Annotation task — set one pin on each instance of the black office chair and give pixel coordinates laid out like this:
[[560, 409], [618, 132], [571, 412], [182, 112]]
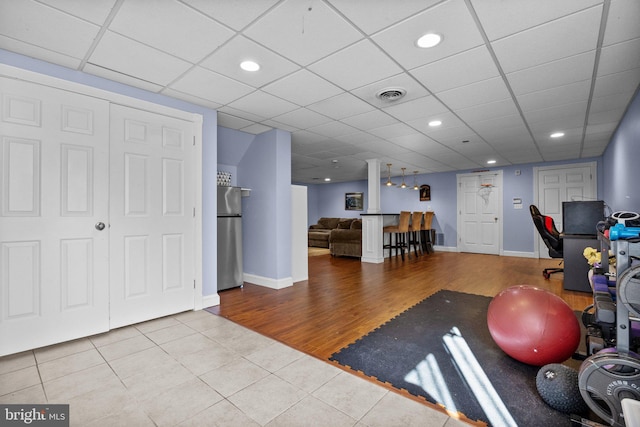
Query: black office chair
[[550, 236]]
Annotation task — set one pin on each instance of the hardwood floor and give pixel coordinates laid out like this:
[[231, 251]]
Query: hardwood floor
[[345, 299]]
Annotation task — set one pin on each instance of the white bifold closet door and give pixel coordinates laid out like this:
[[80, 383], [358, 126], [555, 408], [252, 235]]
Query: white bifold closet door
[[97, 215]]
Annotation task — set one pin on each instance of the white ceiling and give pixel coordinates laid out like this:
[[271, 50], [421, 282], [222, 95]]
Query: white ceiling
[[507, 74]]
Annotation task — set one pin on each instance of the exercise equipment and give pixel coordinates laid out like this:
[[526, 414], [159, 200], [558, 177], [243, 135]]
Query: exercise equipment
[[533, 325], [557, 384], [620, 231]]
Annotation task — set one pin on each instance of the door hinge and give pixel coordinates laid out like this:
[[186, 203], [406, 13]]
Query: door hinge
[[194, 140], [194, 284], [194, 212]]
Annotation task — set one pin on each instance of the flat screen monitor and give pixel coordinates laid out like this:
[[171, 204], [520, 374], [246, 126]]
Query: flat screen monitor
[[580, 218]]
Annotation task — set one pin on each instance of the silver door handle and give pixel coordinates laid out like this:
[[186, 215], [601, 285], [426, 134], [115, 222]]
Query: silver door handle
[[100, 226]]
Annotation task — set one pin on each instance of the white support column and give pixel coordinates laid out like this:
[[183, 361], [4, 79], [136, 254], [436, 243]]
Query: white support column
[[372, 224]]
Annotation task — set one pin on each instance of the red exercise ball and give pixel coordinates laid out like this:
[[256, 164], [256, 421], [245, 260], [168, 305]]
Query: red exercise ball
[[533, 325]]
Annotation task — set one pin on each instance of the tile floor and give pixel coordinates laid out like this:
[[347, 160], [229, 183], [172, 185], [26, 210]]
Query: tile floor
[[198, 369]]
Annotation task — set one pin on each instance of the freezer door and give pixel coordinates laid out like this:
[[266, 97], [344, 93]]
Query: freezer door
[[229, 201], [229, 252]]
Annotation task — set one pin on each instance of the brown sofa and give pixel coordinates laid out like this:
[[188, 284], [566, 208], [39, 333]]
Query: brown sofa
[[318, 234], [347, 242]]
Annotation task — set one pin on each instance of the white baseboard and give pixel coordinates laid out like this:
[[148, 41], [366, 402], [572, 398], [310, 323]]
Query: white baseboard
[[437, 248], [210, 300], [268, 282], [519, 254]]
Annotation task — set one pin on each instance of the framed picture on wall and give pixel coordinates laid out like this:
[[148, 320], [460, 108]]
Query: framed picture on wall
[[353, 201], [425, 193]]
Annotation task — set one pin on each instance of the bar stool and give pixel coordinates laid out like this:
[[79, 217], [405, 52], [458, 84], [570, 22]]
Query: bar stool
[[400, 231], [415, 232], [427, 232]]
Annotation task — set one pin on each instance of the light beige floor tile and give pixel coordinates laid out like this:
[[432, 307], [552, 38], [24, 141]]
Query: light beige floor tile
[[267, 398], [170, 333], [33, 394], [135, 417], [155, 324], [352, 395], [99, 403], [189, 344], [77, 383], [312, 412], [144, 386], [222, 414], [274, 356], [143, 362], [66, 365], [228, 333], [125, 347], [18, 380], [181, 402], [52, 352], [208, 359], [395, 410], [248, 342], [189, 316], [308, 373], [206, 323], [115, 335], [17, 361], [235, 376]]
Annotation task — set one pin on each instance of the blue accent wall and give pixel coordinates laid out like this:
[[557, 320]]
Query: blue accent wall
[[622, 163]]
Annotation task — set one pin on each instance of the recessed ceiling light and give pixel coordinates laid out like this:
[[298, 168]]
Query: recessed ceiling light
[[327, 179], [249, 66], [557, 135], [435, 123], [490, 162], [429, 40]]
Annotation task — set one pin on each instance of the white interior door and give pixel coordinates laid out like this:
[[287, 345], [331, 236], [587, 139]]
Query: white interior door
[[563, 183], [151, 216], [479, 212], [54, 190]]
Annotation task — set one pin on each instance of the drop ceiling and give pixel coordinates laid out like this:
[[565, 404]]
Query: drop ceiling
[[506, 75]]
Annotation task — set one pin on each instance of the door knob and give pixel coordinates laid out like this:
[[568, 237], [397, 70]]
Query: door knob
[[100, 226]]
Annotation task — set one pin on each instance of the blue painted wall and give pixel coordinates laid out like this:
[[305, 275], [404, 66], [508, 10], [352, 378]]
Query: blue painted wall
[[266, 214], [518, 236], [622, 172]]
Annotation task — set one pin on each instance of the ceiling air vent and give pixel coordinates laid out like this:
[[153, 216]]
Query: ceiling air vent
[[391, 93]]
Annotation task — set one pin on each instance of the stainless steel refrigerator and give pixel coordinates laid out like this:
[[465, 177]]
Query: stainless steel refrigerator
[[229, 237]]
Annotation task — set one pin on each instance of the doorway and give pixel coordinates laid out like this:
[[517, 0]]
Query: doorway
[[479, 222]]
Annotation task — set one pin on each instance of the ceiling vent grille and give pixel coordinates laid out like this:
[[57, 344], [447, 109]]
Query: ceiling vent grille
[[391, 94]]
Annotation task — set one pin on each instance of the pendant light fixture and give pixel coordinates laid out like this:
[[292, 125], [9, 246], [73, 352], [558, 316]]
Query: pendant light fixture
[[403, 185], [415, 180], [389, 183]]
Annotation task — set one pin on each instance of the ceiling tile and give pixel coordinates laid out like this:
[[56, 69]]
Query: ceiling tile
[[303, 32], [568, 93], [92, 11], [333, 129], [302, 118], [413, 88], [303, 88], [387, 12], [421, 108], [476, 93], [126, 56], [191, 98], [232, 122], [34, 51], [619, 26], [451, 19], [578, 32], [236, 14], [357, 65], [256, 128], [341, 106], [227, 59], [46, 27], [263, 104], [623, 82], [121, 78], [557, 113], [553, 74], [207, 84], [369, 120], [488, 111], [171, 27], [502, 18], [454, 71], [619, 57], [391, 131]]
